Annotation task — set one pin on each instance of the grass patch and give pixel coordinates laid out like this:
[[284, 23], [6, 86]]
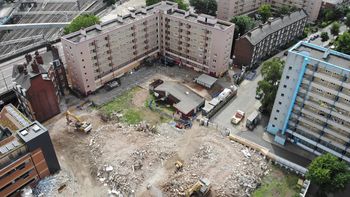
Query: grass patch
[[278, 183], [133, 114]]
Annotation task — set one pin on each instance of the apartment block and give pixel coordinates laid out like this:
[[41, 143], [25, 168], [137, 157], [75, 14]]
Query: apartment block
[[230, 8], [257, 44], [103, 52], [312, 7], [26, 152], [312, 106], [335, 3], [40, 83]]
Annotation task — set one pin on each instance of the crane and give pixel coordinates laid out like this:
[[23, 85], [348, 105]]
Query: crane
[[78, 124]]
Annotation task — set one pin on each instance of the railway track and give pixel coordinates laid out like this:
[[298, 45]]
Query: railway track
[[49, 34]]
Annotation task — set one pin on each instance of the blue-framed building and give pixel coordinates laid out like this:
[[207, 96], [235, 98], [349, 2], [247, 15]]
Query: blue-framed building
[[312, 106]]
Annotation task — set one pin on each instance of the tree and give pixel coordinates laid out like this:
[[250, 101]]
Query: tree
[[284, 10], [329, 173], [271, 72], [205, 6], [243, 24], [80, 22], [265, 12], [335, 28], [342, 44], [347, 21], [109, 2], [324, 36], [181, 4], [152, 2]]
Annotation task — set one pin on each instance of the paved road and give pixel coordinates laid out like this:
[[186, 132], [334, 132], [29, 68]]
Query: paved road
[[246, 102], [327, 29]]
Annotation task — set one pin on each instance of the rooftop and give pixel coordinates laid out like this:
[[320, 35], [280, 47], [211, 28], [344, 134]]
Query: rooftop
[[257, 34], [206, 79], [169, 7], [323, 54], [188, 100], [23, 78]]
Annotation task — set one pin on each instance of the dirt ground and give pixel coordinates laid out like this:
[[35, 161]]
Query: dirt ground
[[119, 159]]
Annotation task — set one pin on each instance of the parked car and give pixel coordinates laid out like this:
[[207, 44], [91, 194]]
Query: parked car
[[259, 95], [237, 117], [112, 84]]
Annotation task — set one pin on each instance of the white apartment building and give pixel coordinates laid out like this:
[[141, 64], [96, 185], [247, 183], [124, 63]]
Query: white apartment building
[[103, 52], [312, 105], [230, 8]]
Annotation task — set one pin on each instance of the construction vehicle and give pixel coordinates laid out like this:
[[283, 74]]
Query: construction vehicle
[[199, 189], [78, 124], [178, 166]]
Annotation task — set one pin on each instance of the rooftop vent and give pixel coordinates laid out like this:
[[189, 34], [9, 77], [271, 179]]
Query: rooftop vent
[[326, 54], [36, 128], [24, 132]]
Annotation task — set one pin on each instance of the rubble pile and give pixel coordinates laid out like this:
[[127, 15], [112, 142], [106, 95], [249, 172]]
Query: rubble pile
[[239, 178], [125, 174], [54, 184]]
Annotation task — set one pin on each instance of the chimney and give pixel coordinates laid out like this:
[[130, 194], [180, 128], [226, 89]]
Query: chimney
[[28, 57], [55, 53], [20, 68], [35, 67], [38, 58], [260, 26], [249, 34]]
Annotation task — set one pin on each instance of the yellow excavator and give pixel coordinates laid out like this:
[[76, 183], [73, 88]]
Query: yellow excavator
[[199, 189], [78, 124]]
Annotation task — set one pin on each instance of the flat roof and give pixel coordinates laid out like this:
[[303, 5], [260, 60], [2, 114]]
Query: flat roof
[[169, 7], [323, 54], [206, 79], [188, 100], [31, 131]]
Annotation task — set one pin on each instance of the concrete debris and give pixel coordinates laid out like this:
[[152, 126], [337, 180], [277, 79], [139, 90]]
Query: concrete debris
[[54, 185], [246, 153], [27, 192]]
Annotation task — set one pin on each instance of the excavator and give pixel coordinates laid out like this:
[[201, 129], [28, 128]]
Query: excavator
[[199, 189], [78, 124]]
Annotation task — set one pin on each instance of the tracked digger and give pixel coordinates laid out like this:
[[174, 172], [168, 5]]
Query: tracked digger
[[200, 189], [78, 124]]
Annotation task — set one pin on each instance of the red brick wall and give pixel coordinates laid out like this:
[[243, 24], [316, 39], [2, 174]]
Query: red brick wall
[[43, 98]]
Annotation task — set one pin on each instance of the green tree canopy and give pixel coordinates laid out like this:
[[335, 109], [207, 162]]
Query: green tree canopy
[[271, 71], [243, 24], [181, 3], [335, 28], [152, 2], [205, 6], [285, 9], [80, 22], [347, 21], [329, 173], [324, 36], [109, 2], [265, 12], [342, 44]]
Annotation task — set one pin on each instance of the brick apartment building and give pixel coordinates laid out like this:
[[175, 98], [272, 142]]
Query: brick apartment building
[[255, 45], [312, 106], [26, 152], [39, 84], [103, 52], [230, 8]]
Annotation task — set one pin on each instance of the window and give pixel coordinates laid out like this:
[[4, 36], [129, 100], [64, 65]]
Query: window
[[87, 80], [277, 111], [287, 77], [273, 125], [82, 60], [282, 95], [275, 118], [81, 53], [88, 86], [85, 73], [290, 68], [280, 103], [285, 86]]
